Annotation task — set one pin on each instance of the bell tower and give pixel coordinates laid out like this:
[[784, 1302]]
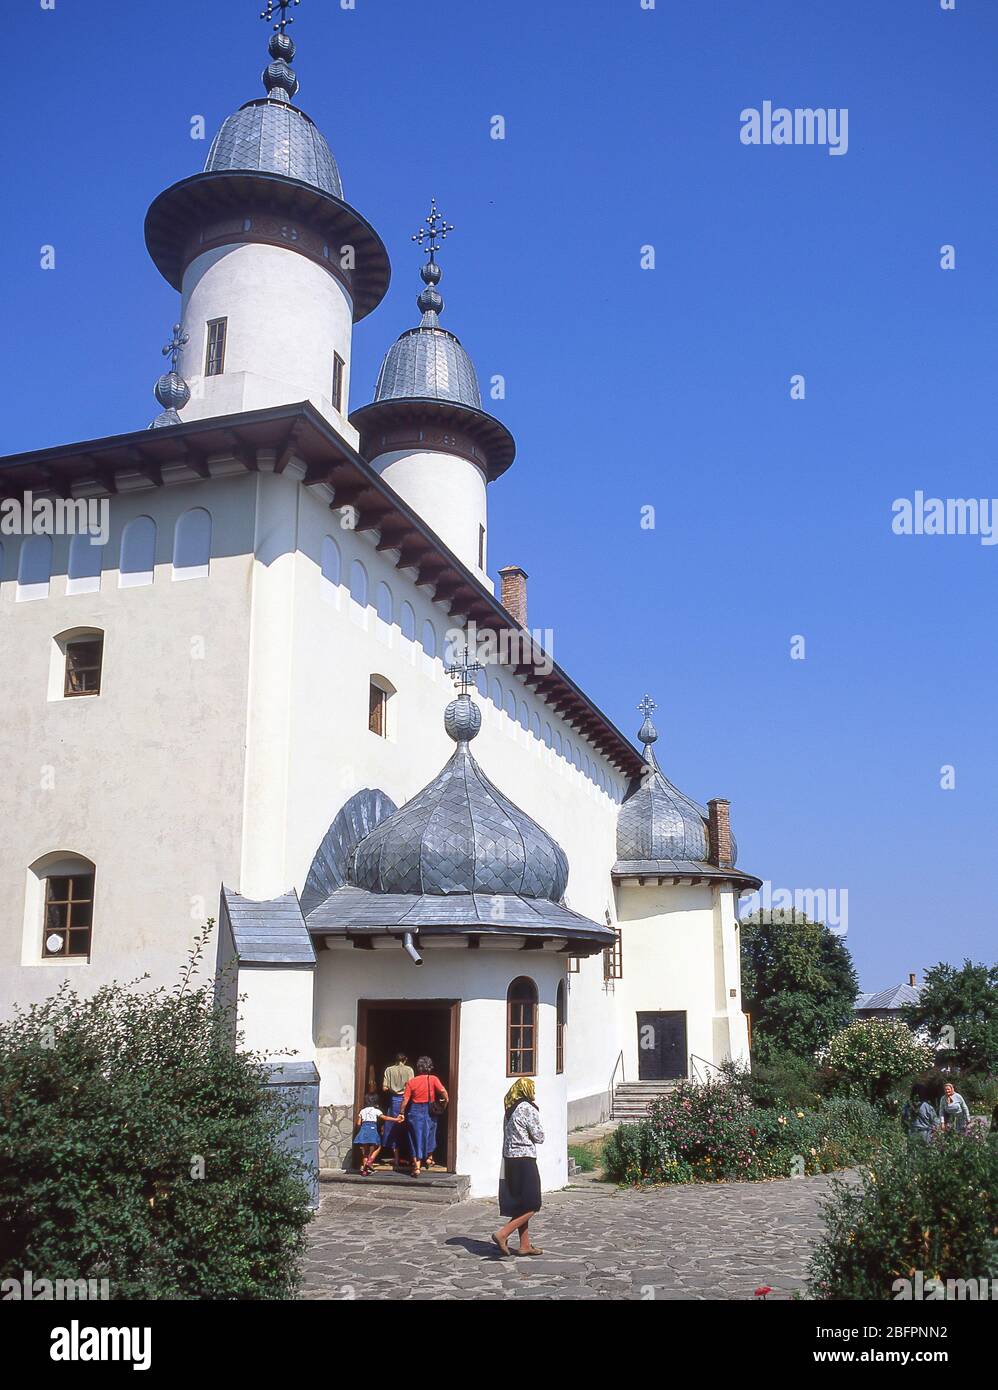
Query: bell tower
[[273, 265]]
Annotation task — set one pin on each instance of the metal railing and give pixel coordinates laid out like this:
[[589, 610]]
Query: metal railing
[[613, 1077], [695, 1071]]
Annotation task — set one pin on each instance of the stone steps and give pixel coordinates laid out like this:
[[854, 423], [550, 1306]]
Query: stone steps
[[631, 1099], [431, 1186]]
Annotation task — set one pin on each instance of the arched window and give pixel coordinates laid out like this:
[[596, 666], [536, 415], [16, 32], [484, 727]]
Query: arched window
[[358, 584], [383, 603], [559, 1037], [524, 715], [521, 1028], [330, 570], [497, 694], [34, 568], [429, 640], [535, 726], [511, 704], [62, 904], [138, 553], [192, 545], [548, 736], [407, 622], [380, 707], [83, 576], [482, 681], [78, 661], [558, 746]]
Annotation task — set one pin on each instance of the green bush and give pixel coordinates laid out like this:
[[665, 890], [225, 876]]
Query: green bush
[[920, 1207], [709, 1132], [785, 1080], [874, 1054], [111, 1108]]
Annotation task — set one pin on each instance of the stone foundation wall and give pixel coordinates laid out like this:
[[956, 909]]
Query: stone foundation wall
[[336, 1130]]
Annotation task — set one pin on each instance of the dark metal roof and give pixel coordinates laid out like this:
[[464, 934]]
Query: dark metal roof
[[893, 998], [658, 822], [682, 868], [95, 467], [274, 137], [268, 933], [460, 834], [355, 913], [431, 364]]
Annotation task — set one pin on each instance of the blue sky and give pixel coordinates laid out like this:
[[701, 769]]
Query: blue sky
[[627, 387]]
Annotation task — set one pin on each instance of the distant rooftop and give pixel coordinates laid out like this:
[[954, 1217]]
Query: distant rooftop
[[893, 998]]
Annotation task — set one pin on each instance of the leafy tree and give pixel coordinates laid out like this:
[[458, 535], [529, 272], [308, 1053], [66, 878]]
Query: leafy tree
[[958, 1009], [798, 983], [138, 1145], [876, 1053]]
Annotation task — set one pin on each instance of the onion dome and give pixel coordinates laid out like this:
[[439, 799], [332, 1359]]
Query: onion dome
[[657, 821], [270, 158], [172, 390], [427, 378], [461, 835]]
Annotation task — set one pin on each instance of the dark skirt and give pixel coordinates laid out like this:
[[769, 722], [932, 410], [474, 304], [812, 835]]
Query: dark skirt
[[520, 1187], [418, 1125], [394, 1136]]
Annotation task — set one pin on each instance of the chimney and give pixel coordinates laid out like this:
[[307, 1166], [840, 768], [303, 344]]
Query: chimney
[[913, 980], [719, 833], [514, 593]]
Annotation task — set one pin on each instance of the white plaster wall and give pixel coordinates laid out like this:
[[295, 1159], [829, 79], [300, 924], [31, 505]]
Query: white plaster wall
[[145, 779], [275, 1012], [680, 953], [480, 980], [287, 316], [448, 492]]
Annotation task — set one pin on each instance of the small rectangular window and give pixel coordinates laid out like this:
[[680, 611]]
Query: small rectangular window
[[377, 710], [214, 362], [69, 915], [83, 666], [338, 368], [481, 547], [574, 964], [613, 959]]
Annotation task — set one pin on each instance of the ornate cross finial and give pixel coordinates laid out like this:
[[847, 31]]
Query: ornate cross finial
[[174, 348], [647, 734], [283, 6], [647, 707], [464, 670], [436, 226]]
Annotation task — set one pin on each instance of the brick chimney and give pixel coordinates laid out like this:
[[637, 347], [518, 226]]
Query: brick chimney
[[719, 833], [913, 980], [514, 593]]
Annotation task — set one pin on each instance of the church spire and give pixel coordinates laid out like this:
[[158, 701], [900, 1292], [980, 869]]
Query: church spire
[[648, 734], [172, 390], [430, 302], [279, 77]]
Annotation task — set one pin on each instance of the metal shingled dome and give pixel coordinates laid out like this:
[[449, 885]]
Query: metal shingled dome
[[428, 363], [274, 137], [658, 822], [461, 835]]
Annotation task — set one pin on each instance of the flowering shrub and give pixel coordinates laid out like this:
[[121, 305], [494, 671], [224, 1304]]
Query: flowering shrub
[[875, 1053], [929, 1208], [710, 1132]]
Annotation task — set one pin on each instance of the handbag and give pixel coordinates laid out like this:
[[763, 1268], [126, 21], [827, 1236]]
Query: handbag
[[437, 1107]]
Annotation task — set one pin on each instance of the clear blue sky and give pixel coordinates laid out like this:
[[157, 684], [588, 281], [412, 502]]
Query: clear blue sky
[[626, 387]]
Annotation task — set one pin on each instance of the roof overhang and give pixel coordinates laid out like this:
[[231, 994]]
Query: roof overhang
[[489, 434], [662, 871], [177, 215], [268, 441]]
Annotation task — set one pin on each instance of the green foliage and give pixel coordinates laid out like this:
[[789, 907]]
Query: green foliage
[[585, 1156], [929, 1207], [958, 1008], [874, 1054], [785, 1080], [798, 984], [108, 1104], [710, 1131]]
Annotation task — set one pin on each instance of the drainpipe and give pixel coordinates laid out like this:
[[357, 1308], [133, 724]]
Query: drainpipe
[[410, 949]]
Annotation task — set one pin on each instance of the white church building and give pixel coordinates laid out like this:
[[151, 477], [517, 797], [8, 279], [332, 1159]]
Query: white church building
[[284, 694]]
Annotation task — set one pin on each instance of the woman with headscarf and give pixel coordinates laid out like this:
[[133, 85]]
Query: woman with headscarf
[[420, 1093], [953, 1110], [520, 1188]]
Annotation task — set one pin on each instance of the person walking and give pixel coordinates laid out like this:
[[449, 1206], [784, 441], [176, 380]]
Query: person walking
[[395, 1145], [420, 1092], [520, 1188], [953, 1110], [923, 1119]]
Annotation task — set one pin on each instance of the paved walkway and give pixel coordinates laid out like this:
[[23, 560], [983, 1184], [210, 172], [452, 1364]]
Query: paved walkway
[[696, 1242]]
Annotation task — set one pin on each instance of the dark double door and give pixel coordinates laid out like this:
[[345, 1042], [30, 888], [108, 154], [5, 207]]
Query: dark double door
[[662, 1046]]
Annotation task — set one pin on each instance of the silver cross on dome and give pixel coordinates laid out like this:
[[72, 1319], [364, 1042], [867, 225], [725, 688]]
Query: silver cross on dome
[[436, 226], [647, 733], [176, 345], [283, 6], [464, 670]]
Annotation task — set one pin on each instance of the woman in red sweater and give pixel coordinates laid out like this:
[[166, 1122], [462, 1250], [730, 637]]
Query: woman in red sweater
[[423, 1090]]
